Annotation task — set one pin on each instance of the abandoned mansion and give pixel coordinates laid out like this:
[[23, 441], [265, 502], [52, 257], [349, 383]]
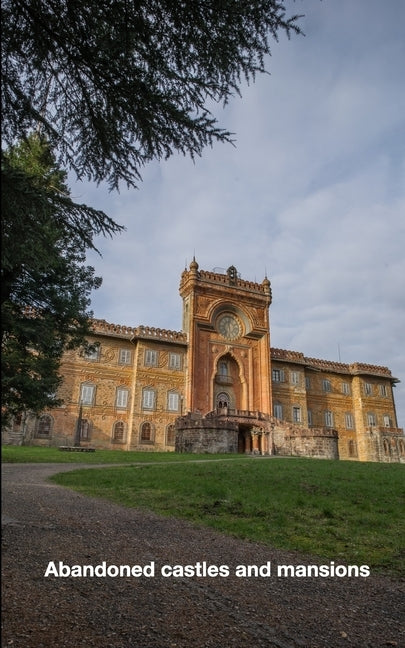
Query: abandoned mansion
[[218, 386]]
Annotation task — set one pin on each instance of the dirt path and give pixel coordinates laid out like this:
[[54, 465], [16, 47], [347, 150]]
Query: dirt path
[[43, 522]]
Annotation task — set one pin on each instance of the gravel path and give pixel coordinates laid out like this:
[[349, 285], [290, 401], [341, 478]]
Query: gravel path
[[43, 522]]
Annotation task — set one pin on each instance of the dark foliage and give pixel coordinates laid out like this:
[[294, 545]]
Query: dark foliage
[[117, 83], [45, 284]]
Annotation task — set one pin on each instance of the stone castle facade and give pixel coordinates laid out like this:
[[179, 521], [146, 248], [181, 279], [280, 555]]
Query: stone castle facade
[[218, 386]]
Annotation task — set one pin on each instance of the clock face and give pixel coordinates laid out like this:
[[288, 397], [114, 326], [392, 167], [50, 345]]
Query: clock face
[[229, 327]]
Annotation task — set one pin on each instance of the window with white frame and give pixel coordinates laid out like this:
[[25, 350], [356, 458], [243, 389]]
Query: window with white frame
[[148, 398], [368, 389], [346, 388], [125, 356], [387, 420], [87, 393], [295, 378], [151, 358], [174, 361], [383, 390], [278, 410], [173, 401], [371, 419], [121, 398], [349, 421], [326, 385], [93, 353], [296, 414], [328, 417], [278, 375]]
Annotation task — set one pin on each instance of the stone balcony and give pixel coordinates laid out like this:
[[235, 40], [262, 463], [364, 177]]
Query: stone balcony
[[382, 429], [221, 379]]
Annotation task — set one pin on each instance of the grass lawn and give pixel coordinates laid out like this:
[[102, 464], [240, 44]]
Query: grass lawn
[[36, 454], [348, 512]]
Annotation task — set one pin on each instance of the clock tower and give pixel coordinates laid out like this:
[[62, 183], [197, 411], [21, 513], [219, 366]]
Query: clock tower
[[226, 320]]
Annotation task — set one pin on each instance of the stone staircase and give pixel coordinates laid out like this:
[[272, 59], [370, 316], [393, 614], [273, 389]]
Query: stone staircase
[[13, 437]]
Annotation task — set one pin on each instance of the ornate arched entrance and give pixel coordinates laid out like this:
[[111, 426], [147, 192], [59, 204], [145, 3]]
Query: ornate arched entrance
[[227, 388]]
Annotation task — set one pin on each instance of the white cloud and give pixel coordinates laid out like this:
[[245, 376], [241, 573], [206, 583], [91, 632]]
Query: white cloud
[[313, 192]]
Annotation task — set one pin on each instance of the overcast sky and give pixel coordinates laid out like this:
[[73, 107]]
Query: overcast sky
[[313, 194]]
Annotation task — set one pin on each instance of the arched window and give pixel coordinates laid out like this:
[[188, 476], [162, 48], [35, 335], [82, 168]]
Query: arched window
[[170, 435], [44, 425], [147, 433], [223, 400], [118, 435]]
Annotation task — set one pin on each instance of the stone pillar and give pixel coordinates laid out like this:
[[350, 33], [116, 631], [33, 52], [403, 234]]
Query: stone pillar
[[248, 443], [255, 443]]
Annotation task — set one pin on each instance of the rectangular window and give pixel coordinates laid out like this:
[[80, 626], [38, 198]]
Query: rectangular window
[[92, 354], [346, 389], [173, 402], [368, 389], [326, 386], [148, 399], [349, 421], [383, 390], [295, 378], [329, 418], [87, 394], [174, 361], [387, 421], [310, 419], [307, 382], [278, 410], [151, 358], [121, 399], [371, 419], [297, 414], [278, 375], [125, 356]]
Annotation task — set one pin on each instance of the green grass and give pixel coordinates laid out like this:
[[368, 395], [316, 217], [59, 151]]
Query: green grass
[[36, 454], [344, 511]]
